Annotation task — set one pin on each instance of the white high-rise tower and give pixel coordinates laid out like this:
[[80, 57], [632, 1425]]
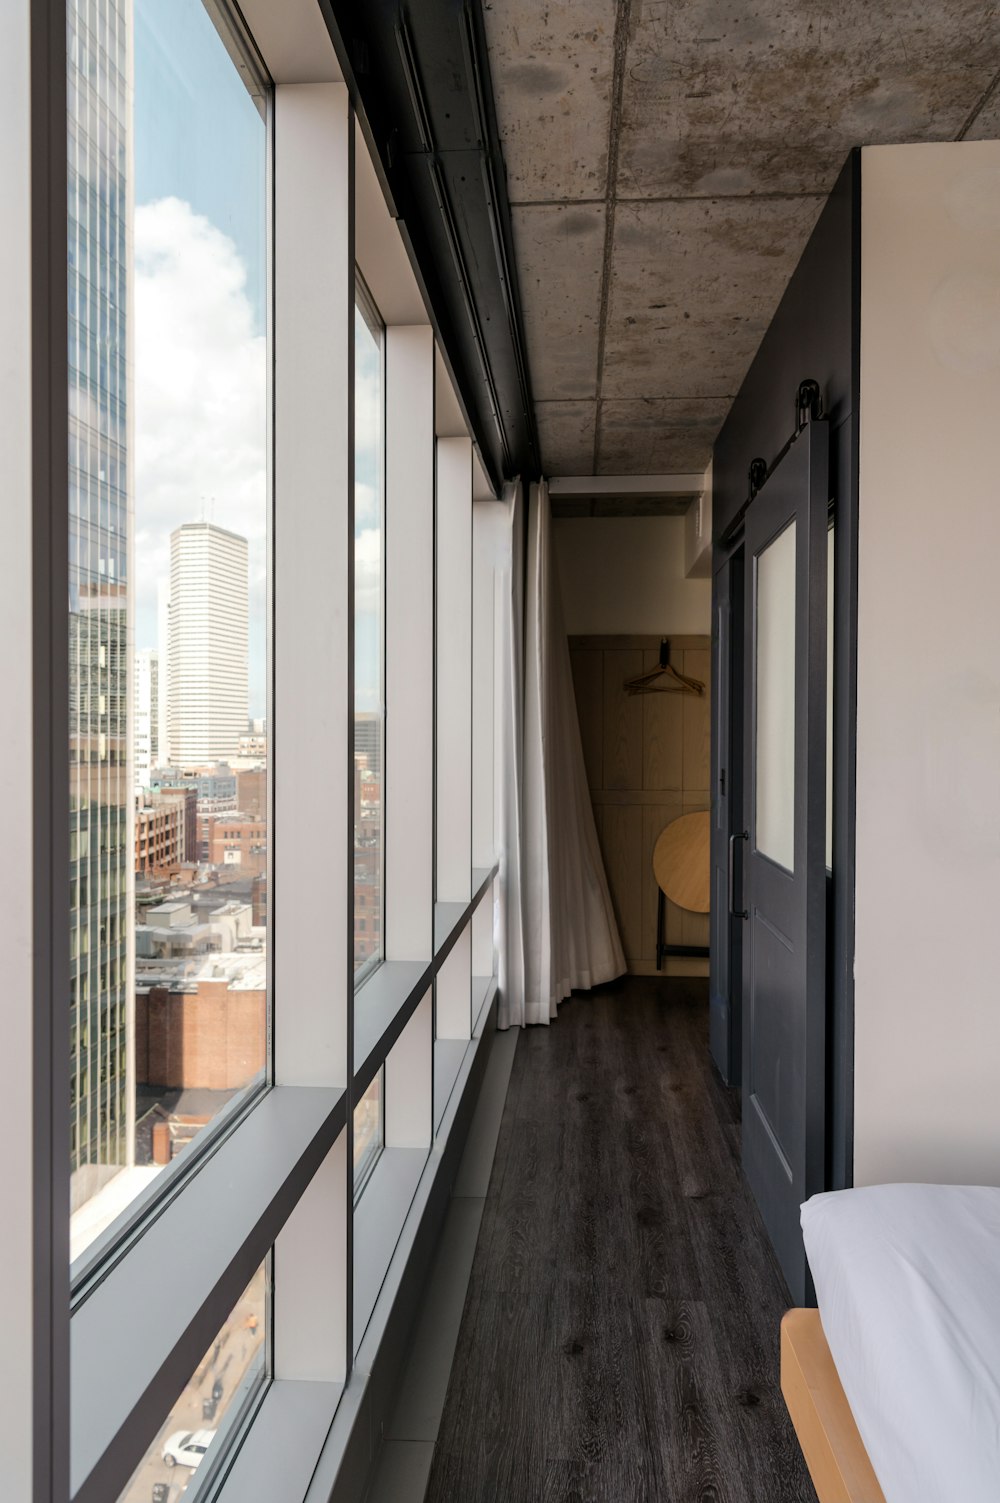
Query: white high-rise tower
[[207, 661], [145, 715], [163, 660]]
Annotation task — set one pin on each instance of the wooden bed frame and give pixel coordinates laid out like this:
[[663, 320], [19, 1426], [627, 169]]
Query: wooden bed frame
[[834, 1451]]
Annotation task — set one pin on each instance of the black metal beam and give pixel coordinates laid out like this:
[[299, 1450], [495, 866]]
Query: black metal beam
[[419, 76]]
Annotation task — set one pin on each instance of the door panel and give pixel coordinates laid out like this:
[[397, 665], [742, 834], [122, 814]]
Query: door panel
[[784, 982], [726, 936]]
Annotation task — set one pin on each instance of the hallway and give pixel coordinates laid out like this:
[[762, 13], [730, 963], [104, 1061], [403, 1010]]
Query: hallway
[[620, 1336]]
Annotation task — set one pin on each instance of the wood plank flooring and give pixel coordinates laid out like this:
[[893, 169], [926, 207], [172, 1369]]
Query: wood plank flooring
[[620, 1337]]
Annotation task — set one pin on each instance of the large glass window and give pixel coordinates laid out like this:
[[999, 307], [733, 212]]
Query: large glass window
[[369, 1133], [226, 1378], [168, 589], [369, 719]]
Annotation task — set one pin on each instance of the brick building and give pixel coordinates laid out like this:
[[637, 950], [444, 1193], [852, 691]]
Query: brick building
[[251, 792], [210, 1035], [234, 840], [258, 901], [166, 824], [367, 904]]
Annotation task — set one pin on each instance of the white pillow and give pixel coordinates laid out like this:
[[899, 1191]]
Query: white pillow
[[908, 1285]]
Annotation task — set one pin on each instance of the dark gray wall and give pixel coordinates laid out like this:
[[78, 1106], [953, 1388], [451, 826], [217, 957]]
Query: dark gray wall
[[815, 333], [811, 335]]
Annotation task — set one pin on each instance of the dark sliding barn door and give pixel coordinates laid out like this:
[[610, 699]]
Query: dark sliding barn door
[[784, 889], [726, 969]]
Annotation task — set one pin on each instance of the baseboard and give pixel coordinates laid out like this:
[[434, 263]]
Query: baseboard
[[675, 965]]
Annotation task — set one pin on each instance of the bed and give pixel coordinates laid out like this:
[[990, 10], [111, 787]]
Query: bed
[[833, 1449], [893, 1385]]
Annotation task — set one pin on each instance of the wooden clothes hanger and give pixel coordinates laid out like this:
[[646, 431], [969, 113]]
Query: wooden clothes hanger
[[646, 683]]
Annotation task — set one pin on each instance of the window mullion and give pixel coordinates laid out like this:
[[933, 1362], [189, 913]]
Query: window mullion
[[34, 1380], [313, 834]]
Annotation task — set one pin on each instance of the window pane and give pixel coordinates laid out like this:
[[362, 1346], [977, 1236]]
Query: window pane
[[167, 591], [369, 1133], [368, 639], [226, 1377], [775, 730]]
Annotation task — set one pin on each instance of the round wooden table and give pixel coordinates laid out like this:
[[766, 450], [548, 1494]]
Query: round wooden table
[[680, 862], [682, 870]]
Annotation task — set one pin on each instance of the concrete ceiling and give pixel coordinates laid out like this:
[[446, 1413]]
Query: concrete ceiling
[[666, 161]]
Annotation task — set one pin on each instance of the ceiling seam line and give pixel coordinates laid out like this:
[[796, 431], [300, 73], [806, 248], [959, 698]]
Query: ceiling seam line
[[979, 106], [723, 396], [623, 21], [676, 198]]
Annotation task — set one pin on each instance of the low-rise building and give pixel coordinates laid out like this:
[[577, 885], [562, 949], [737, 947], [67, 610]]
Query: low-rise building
[[235, 840], [251, 792], [165, 829], [202, 1024]]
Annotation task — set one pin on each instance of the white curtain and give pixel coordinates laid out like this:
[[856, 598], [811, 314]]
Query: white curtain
[[568, 934], [510, 705]]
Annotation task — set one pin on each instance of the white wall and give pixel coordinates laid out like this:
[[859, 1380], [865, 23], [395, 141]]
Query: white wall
[[698, 532], [627, 575], [927, 1098]]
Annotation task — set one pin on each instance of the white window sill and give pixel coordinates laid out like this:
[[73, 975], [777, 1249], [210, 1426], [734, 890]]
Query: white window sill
[[382, 1008], [312, 1441], [378, 1221], [278, 1456], [139, 1334]]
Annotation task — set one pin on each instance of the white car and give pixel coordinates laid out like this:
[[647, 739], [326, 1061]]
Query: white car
[[187, 1447]]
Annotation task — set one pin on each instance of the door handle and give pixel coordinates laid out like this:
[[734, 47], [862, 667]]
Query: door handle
[[739, 913]]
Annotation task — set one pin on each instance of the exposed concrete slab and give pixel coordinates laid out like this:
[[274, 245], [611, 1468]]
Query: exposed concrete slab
[[653, 435], [736, 116], [566, 435], [986, 125], [560, 254], [693, 288], [725, 97], [551, 65]]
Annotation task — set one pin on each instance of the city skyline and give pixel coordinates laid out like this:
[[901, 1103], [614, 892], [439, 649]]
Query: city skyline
[[199, 308], [169, 548], [168, 448]]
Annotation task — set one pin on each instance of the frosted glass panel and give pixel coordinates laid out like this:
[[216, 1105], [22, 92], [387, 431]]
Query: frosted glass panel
[[774, 793]]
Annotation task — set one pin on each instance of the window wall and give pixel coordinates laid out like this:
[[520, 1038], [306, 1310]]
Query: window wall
[[369, 1133], [230, 1372], [369, 713], [265, 539], [168, 591]]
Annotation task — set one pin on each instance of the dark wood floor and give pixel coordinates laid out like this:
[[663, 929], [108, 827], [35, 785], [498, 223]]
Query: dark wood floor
[[620, 1336]]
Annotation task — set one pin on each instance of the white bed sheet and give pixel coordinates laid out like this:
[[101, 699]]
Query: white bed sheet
[[908, 1285]]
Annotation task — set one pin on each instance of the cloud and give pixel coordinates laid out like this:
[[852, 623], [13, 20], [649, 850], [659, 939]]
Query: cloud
[[367, 507], [200, 402], [200, 398], [367, 427], [368, 571]]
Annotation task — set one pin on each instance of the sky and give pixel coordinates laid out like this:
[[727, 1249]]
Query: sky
[[200, 304]]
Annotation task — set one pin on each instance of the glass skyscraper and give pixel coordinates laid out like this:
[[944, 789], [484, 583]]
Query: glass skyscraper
[[101, 857]]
